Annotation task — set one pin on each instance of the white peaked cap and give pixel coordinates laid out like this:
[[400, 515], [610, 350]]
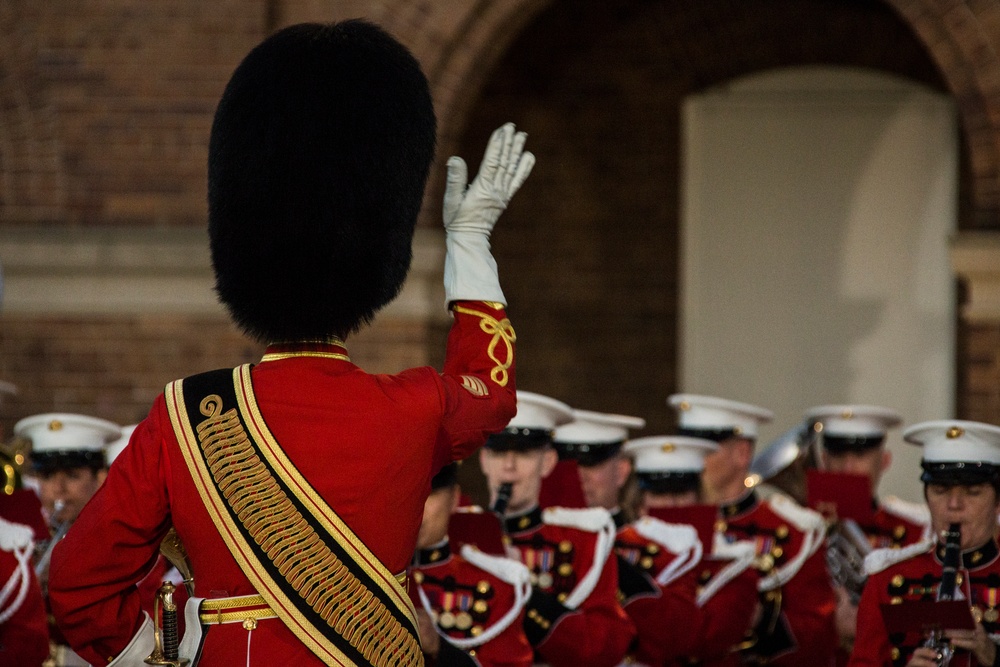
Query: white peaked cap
[[710, 412], [956, 440], [597, 427], [64, 432], [535, 411], [854, 419], [115, 448], [669, 453]]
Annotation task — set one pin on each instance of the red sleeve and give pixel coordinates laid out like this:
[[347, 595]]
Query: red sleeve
[[112, 545], [479, 387], [24, 636], [727, 616], [596, 634], [808, 605], [667, 624], [871, 643]]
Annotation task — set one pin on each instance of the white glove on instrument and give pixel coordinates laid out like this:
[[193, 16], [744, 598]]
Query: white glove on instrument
[[470, 272]]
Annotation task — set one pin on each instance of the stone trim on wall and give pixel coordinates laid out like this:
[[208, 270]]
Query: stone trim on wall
[[975, 258], [130, 271]]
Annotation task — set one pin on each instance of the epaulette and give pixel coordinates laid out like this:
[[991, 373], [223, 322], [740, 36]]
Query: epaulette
[[592, 519], [813, 529], [507, 569], [741, 555], [679, 538], [14, 536], [595, 520], [802, 518], [880, 559], [18, 539], [913, 512]]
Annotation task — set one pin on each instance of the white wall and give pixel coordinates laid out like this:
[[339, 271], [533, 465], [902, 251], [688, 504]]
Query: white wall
[[817, 209]]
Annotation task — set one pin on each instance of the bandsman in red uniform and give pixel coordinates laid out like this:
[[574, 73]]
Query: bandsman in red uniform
[[297, 484], [852, 441], [573, 616], [796, 625], [961, 475], [654, 557], [68, 466], [472, 603], [722, 582]]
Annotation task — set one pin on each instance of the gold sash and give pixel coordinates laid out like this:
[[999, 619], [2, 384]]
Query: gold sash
[[312, 570]]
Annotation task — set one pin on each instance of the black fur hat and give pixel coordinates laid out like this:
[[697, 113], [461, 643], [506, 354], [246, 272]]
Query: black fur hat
[[318, 159]]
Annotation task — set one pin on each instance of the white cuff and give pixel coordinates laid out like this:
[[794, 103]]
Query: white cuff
[[142, 644], [470, 272]]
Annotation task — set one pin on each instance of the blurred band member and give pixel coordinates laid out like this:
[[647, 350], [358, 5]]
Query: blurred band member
[[470, 605], [573, 616], [668, 471], [796, 625]]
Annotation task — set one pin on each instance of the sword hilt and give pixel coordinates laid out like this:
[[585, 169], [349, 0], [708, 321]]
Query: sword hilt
[[166, 637]]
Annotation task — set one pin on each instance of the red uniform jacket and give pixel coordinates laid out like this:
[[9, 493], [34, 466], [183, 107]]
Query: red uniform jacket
[[897, 523], [467, 601], [727, 596], [596, 632], [914, 573], [789, 541], [24, 634], [666, 616], [368, 444]]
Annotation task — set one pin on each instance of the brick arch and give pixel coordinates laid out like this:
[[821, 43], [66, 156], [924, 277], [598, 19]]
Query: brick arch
[[959, 40], [955, 36]]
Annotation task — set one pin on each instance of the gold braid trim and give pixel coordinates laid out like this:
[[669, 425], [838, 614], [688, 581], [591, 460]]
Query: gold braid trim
[[294, 546], [501, 330]]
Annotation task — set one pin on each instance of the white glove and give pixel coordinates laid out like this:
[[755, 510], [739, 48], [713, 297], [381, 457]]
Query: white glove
[[470, 272]]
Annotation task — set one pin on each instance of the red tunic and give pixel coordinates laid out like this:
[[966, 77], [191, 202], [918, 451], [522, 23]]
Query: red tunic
[[467, 601], [726, 614], [368, 444], [917, 577], [892, 527], [598, 632], [666, 617], [24, 635], [804, 633]]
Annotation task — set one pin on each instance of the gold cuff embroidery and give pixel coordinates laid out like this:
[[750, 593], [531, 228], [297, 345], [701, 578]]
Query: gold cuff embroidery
[[502, 331]]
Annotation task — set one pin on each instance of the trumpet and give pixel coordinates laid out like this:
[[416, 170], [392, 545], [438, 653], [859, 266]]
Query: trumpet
[[946, 591]]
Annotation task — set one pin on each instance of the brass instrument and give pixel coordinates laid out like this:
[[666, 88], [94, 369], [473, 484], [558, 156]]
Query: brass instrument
[[166, 637], [846, 548], [946, 591], [783, 462]]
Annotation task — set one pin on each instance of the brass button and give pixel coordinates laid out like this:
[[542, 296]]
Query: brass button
[[781, 532]]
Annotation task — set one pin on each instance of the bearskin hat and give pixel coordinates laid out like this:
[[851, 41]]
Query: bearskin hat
[[318, 158]]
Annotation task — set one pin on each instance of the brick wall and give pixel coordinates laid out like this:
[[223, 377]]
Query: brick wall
[[105, 109]]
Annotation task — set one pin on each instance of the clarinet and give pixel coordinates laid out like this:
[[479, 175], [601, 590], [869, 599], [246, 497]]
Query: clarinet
[[946, 591], [503, 498]]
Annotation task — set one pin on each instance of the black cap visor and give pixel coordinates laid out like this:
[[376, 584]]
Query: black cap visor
[[588, 454], [519, 439], [675, 481], [959, 473]]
